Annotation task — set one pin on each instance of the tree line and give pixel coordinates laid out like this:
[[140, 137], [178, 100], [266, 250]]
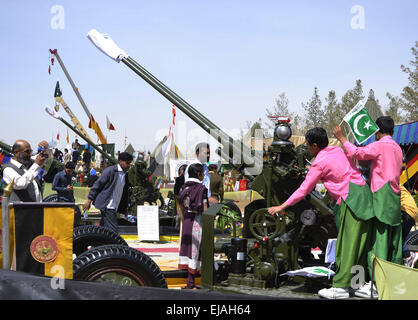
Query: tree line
[[330, 112]]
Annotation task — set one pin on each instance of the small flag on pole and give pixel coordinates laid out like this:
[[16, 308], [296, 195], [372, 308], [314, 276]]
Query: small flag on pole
[[168, 145], [58, 136], [109, 124], [361, 124], [174, 115], [92, 123], [68, 137]]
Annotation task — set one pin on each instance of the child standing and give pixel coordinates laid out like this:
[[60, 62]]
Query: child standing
[[193, 201]]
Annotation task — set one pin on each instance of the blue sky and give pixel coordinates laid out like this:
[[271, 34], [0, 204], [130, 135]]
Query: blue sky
[[228, 59]]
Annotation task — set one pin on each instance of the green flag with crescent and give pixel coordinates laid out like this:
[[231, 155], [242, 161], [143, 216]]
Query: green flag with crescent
[[361, 124]]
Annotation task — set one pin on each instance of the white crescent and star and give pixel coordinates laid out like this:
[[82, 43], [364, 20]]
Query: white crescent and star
[[367, 125], [355, 124]]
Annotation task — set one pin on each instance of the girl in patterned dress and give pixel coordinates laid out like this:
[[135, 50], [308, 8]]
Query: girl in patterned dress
[[193, 200]]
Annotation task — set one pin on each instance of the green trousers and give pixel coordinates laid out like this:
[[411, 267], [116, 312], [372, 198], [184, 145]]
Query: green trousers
[[386, 236], [385, 243], [352, 244]]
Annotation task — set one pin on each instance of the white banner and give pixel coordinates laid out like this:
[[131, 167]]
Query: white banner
[[148, 222]]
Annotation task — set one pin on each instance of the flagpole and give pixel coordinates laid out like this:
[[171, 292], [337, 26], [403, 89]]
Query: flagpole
[[345, 131]]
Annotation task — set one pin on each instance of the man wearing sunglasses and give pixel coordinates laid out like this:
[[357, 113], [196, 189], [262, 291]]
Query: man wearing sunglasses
[[24, 169]]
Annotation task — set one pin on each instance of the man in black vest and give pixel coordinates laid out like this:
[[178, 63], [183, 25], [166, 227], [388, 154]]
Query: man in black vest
[[24, 171]]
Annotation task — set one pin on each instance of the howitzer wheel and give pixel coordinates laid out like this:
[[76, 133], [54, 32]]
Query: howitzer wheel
[[119, 265], [88, 236], [262, 224]]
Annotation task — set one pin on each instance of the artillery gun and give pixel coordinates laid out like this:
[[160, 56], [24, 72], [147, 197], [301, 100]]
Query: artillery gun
[[272, 245]]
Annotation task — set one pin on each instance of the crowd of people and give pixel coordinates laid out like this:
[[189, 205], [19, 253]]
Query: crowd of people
[[79, 169], [26, 170]]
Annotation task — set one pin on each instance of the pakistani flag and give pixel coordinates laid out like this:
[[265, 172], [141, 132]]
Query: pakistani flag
[[312, 272], [361, 124]]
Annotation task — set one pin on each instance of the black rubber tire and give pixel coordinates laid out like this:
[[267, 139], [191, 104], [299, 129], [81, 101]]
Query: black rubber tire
[[135, 266], [77, 211], [94, 236]]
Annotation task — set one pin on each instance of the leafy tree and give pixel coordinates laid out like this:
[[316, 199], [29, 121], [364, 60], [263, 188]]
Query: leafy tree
[[373, 107], [332, 113], [409, 94], [251, 126], [298, 124], [394, 110], [351, 97], [281, 109], [314, 113]]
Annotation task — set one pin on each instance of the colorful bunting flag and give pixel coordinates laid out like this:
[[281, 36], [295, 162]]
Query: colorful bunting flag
[[109, 125], [174, 114]]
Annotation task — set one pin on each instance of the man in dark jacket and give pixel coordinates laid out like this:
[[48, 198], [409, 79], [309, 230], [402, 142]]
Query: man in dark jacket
[[62, 183], [110, 193]]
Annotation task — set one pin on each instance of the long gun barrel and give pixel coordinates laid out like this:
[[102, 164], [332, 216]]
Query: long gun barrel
[[237, 154], [5, 147]]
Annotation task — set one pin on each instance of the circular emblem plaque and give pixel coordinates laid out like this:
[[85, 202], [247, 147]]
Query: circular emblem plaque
[[44, 249]]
